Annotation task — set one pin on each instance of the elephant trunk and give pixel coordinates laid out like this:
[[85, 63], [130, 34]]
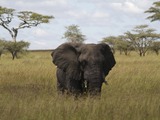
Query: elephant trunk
[[94, 78]]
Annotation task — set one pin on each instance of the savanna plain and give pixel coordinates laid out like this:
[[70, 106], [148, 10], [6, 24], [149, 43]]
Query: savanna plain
[[28, 91]]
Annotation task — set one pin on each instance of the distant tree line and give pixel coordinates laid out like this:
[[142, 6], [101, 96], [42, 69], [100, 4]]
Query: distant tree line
[[141, 39]]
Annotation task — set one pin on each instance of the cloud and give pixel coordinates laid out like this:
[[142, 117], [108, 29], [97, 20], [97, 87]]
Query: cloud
[[54, 3], [89, 18], [127, 7], [40, 43], [100, 15], [40, 32]]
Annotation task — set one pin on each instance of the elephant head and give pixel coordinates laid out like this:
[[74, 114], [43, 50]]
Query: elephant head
[[85, 62]]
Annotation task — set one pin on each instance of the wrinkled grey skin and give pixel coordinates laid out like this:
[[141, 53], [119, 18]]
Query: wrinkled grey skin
[[78, 64]]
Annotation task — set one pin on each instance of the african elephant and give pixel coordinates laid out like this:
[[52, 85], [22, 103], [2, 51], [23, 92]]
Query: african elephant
[[78, 64]]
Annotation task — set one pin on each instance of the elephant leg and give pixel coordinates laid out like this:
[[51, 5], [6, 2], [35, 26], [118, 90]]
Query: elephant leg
[[61, 81], [60, 88], [68, 85], [76, 87]]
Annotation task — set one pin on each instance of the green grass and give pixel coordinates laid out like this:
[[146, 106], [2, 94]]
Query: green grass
[[28, 91]]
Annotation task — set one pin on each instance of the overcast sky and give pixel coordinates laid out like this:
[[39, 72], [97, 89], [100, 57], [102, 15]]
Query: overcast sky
[[96, 19]]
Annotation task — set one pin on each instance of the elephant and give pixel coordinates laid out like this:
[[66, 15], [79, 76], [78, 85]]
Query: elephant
[[82, 68]]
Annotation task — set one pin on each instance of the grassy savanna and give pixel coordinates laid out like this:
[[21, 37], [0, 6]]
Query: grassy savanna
[[28, 91]]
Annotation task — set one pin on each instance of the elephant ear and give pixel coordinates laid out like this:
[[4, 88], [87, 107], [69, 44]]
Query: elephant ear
[[109, 58], [66, 58]]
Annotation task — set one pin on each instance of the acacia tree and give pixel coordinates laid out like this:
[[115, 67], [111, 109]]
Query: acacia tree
[[142, 38], [155, 11], [27, 19], [73, 34], [123, 44], [16, 47]]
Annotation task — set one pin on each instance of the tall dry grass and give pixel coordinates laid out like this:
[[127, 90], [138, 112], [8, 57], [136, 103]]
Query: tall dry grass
[[28, 91]]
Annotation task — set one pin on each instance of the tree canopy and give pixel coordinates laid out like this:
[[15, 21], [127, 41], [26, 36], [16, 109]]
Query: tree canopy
[[155, 11], [121, 43], [73, 34], [16, 47], [142, 38], [27, 19]]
